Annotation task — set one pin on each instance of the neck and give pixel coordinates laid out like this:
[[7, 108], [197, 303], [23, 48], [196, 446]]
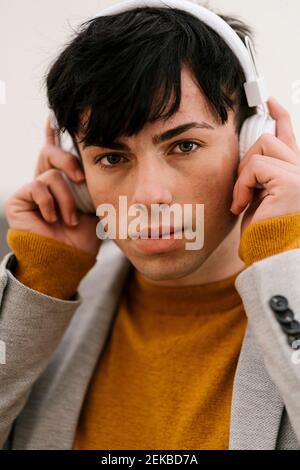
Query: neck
[[224, 261]]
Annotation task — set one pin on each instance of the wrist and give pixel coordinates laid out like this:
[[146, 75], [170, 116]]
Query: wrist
[[269, 237], [48, 265]]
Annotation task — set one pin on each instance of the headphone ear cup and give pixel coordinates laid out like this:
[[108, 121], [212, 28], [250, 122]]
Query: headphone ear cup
[[81, 195], [252, 128]]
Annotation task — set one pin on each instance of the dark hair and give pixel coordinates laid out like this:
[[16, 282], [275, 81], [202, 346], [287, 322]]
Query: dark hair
[[124, 69]]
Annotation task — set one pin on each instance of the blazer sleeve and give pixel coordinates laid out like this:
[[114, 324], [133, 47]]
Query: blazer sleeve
[[270, 291], [32, 325]]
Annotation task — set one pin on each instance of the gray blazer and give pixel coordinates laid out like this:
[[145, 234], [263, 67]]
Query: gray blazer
[[52, 347]]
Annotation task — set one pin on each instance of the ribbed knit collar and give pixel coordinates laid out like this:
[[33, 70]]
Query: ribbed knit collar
[[182, 300]]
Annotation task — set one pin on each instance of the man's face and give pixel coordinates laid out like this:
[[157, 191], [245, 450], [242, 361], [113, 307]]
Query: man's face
[[152, 173]]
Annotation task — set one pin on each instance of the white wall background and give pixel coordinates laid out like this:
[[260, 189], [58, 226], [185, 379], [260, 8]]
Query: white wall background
[[32, 32]]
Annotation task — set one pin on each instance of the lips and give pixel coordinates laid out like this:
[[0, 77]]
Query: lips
[[157, 231], [161, 231]]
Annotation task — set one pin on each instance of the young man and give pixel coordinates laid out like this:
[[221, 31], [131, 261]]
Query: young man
[[134, 344]]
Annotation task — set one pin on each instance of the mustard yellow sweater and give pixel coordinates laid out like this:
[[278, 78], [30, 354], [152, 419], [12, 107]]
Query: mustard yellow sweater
[[164, 379]]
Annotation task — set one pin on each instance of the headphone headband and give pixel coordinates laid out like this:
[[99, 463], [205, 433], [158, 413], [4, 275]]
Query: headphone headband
[[255, 86]]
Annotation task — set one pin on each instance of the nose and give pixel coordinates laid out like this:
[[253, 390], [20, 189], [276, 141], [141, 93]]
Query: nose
[[151, 185]]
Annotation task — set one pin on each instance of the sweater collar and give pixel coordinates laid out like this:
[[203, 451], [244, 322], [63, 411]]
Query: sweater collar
[[182, 300]]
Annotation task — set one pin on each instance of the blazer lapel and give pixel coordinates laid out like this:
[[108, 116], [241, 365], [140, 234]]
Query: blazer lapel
[[61, 389], [257, 405]]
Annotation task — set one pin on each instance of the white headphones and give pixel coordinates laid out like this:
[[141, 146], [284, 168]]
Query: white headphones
[[255, 86]]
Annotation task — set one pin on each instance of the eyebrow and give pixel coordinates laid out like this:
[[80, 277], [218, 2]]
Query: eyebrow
[[160, 138]]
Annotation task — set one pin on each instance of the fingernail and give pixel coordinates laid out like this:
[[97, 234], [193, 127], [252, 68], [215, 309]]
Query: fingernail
[[233, 208], [79, 174], [74, 219]]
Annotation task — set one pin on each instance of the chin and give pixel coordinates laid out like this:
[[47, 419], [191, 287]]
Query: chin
[[168, 266]]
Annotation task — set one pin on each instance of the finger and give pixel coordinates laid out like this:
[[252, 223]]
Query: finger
[[269, 145], [42, 163], [52, 156], [261, 171], [36, 194], [44, 199], [62, 194], [287, 166], [257, 197], [284, 127], [50, 132]]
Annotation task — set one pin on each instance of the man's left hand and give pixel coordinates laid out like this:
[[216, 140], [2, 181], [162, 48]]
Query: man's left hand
[[274, 162]]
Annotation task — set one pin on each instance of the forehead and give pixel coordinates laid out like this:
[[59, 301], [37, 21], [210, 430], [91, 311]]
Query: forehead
[[194, 106], [193, 98]]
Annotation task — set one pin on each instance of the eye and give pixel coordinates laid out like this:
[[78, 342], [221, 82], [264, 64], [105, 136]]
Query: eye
[[113, 160], [186, 146]]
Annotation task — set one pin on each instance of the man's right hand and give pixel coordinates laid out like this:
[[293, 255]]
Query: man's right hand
[[46, 205]]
